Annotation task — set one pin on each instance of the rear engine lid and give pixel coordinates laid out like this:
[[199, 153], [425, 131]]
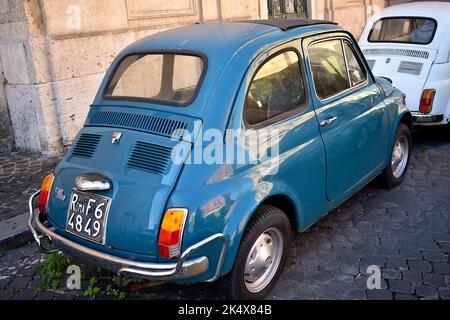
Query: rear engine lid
[[133, 148], [407, 66]]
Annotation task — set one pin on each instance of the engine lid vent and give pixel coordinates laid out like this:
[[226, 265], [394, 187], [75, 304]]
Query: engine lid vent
[[140, 122], [86, 145], [150, 157], [409, 67], [397, 52]]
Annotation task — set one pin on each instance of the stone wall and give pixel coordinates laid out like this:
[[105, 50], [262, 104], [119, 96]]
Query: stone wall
[[54, 54], [8, 15], [6, 135], [351, 14]]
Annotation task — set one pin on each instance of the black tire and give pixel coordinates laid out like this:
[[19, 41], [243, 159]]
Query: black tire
[[388, 179], [265, 218]]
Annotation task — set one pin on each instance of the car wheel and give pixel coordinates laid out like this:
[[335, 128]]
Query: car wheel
[[261, 257], [395, 172]]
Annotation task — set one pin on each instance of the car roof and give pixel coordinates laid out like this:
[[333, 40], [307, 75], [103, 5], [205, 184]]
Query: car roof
[[287, 24], [222, 37], [228, 47], [431, 9]]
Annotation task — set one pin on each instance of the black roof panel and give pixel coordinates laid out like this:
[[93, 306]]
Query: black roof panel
[[290, 23]]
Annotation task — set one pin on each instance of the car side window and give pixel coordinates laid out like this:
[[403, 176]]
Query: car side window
[[278, 87], [356, 71], [328, 68]]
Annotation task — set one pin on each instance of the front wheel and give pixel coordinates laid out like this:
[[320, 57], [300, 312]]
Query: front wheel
[[261, 257], [395, 172]]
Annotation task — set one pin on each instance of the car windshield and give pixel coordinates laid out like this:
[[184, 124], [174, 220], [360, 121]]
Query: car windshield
[[403, 30], [163, 78]]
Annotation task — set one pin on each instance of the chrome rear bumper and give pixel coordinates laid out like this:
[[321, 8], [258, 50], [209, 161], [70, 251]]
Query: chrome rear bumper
[[182, 269], [424, 119]]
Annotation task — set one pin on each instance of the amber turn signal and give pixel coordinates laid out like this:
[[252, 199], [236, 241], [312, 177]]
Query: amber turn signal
[[45, 192], [426, 102], [171, 233]]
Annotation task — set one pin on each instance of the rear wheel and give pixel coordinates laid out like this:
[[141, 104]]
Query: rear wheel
[[261, 257], [395, 172]]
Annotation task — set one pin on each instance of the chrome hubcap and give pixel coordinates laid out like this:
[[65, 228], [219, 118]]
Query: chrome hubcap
[[400, 156], [263, 260]]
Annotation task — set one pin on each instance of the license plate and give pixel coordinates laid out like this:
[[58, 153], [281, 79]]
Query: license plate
[[87, 216]]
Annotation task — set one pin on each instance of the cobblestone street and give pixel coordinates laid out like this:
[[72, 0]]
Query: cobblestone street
[[405, 231], [21, 175]]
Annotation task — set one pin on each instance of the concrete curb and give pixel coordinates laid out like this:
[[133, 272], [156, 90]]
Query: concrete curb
[[14, 233]]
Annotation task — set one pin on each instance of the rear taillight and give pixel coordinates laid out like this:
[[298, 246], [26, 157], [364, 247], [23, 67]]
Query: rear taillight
[[45, 192], [171, 233], [426, 102]]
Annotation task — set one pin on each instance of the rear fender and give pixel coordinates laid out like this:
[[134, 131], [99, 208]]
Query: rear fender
[[231, 220], [439, 79], [241, 213], [399, 114]]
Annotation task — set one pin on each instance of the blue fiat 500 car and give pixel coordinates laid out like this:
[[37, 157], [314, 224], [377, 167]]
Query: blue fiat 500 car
[[207, 145]]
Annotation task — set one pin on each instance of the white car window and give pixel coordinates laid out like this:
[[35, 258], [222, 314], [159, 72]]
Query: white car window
[[403, 30]]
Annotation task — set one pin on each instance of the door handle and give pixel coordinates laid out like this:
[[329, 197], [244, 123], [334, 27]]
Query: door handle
[[327, 122]]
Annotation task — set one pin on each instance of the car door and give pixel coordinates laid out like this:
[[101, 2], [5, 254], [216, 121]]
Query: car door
[[350, 111], [275, 99]]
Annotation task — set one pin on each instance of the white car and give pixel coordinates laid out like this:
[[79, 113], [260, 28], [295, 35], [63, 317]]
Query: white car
[[410, 44]]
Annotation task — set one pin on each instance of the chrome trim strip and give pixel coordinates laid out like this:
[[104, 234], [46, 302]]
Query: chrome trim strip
[[221, 259], [37, 236], [328, 122], [427, 118], [421, 115], [93, 182], [189, 269], [30, 218], [158, 271]]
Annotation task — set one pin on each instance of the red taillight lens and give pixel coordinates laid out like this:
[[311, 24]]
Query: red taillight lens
[[170, 235], [45, 192], [426, 102]]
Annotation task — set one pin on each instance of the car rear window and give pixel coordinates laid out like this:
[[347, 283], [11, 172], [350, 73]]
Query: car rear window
[[165, 78], [403, 30]]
